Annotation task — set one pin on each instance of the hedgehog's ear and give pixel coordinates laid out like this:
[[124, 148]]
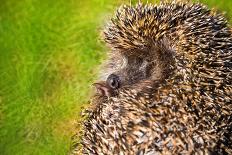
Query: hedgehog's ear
[[163, 56], [163, 47]]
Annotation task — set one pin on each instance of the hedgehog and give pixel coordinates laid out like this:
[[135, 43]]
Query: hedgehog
[[165, 87]]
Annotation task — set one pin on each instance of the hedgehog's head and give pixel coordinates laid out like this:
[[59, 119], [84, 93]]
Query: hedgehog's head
[[132, 68]]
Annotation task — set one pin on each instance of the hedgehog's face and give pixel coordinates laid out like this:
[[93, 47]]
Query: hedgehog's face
[[123, 70], [154, 63], [126, 69]]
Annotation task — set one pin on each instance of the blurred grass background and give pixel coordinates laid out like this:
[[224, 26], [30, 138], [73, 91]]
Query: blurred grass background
[[49, 53]]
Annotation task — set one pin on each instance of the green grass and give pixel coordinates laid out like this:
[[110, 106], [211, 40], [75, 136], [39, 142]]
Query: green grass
[[49, 53]]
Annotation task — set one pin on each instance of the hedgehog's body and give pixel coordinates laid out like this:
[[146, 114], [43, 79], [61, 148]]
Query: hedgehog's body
[[174, 66]]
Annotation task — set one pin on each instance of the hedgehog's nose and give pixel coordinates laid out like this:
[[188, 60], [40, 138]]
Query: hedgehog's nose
[[103, 89], [113, 81]]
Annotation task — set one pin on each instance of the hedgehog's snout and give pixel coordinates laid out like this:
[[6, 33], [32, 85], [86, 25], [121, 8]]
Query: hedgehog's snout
[[108, 88]]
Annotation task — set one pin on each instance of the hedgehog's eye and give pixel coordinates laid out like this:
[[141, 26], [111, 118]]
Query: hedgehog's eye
[[113, 81]]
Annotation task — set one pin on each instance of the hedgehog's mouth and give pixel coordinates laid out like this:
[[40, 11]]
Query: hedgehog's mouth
[[104, 90]]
